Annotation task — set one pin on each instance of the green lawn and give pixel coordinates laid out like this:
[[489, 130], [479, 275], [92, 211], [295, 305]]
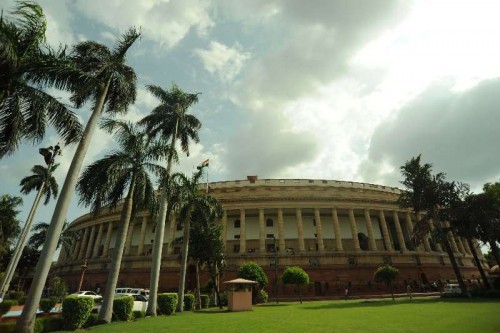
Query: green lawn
[[419, 315]]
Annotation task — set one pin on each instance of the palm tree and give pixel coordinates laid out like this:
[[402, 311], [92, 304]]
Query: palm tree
[[39, 231], [193, 203], [46, 186], [25, 109], [122, 172], [169, 120], [430, 197], [109, 83]]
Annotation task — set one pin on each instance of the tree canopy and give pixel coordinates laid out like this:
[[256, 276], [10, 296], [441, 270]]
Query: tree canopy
[[386, 274], [297, 276], [252, 271], [9, 223]]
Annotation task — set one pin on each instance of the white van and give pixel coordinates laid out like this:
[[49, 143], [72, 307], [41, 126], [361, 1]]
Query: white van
[[451, 288], [139, 291], [122, 291]]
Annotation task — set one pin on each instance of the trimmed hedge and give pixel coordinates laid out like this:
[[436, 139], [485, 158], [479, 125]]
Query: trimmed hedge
[[53, 324], [5, 306], [76, 310], [21, 300], [10, 327], [46, 304], [223, 298], [167, 303], [122, 308], [205, 299], [92, 320], [139, 314], [189, 302]]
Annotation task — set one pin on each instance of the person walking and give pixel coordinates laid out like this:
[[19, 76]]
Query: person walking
[[346, 294]]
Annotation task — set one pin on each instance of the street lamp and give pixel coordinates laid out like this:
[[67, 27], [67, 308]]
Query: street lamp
[[84, 268]]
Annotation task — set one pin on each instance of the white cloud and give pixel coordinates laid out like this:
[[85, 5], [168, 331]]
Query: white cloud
[[223, 60], [165, 22]]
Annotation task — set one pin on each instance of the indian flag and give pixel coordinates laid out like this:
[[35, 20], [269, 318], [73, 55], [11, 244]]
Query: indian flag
[[203, 164]]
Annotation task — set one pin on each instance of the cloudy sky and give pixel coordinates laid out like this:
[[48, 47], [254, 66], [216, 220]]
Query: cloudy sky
[[345, 90]]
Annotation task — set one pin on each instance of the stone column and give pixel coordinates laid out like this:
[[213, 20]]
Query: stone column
[[336, 230], [467, 247], [90, 244], [243, 242], [224, 229], [409, 227], [354, 230], [76, 252], [425, 241], [385, 232], [451, 238], [95, 252], [170, 230], [439, 248], [108, 240], [83, 248], [140, 248], [262, 232], [128, 242], [369, 227], [281, 231], [461, 247], [300, 230], [319, 230], [399, 232]]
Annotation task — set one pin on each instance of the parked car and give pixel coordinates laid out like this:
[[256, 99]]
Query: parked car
[[97, 298], [140, 301]]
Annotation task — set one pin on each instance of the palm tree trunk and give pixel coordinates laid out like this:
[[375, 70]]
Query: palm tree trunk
[[185, 249], [198, 292], [159, 233], [214, 276], [453, 262], [494, 251], [478, 263], [16, 256], [26, 322], [116, 257]]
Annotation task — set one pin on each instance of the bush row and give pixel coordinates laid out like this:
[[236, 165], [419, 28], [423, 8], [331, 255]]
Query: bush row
[[167, 303]]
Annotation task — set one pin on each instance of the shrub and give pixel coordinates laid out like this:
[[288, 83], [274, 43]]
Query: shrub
[[46, 304], [205, 299], [39, 325], [76, 311], [252, 271], [139, 314], [5, 306], [53, 324], [16, 295], [21, 300], [122, 308], [188, 302], [262, 296], [92, 320], [223, 298], [8, 327], [167, 303]]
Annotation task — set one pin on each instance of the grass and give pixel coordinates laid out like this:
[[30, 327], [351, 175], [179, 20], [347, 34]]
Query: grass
[[418, 315]]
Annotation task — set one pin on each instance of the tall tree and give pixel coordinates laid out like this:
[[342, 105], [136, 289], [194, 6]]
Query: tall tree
[[46, 186], [9, 223], [194, 203], [386, 274], [103, 78], [430, 197], [297, 276], [39, 231], [124, 172], [170, 121], [207, 248], [491, 236], [473, 218], [25, 108]]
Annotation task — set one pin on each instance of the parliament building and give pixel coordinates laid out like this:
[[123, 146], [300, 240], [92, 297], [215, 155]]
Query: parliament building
[[339, 232]]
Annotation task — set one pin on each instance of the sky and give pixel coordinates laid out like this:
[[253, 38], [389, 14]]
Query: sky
[[333, 89]]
